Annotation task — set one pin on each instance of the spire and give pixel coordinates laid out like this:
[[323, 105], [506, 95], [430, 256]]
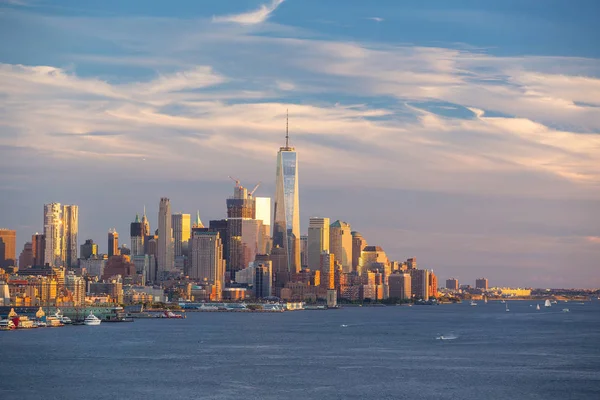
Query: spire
[[144, 210], [287, 134], [198, 223]]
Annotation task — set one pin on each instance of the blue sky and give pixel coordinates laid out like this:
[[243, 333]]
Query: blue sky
[[463, 133]]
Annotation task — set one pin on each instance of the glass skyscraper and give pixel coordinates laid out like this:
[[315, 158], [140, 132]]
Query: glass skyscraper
[[286, 213]]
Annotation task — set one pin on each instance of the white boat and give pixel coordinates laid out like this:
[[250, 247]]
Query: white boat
[[555, 302], [64, 320], [473, 303], [507, 310], [7, 325], [547, 303], [503, 302], [537, 307], [485, 300], [565, 310], [92, 320]]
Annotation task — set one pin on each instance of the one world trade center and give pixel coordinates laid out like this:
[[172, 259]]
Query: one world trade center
[[286, 220]]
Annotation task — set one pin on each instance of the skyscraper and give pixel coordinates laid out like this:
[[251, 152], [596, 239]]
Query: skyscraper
[[286, 209], [165, 259], [8, 251], [358, 244], [70, 225], [318, 241], [88, 249], [240, 207], [145, 225], [136, 234], [263, 279], [400, 286], [53, 234], [207, 264], [113, 242], [26, 256], [181, 233], [39, 249], [340, 244]]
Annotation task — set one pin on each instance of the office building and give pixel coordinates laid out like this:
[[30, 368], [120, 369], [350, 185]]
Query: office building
[[94, 265], [88, 249], [136, 235], [164, 251], [327, 268], [400, 286], [70, 229], [26, 256], [53, 234], [240, 208], [481, 283], [263, 278], [76, 286], [207, 265], [452, 284], [372, 257], [8, 255], [318, 241], [419, 283], [340, 244], [432, 284], [304, 251], [113, 242], [181, 233], [286, 208], [358, 244], [39, 249], [145, 225]]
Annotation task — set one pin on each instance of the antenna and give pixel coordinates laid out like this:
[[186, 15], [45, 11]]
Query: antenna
[[287, 135]]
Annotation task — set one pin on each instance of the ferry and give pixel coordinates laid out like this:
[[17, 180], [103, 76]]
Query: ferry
[[7, 325], [171, 314], [92, 320]]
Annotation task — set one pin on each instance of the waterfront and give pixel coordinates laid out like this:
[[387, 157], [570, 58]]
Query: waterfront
[[382, 352]]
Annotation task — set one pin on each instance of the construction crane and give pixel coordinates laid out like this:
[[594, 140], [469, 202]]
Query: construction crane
[[254, 190], [237, 181]]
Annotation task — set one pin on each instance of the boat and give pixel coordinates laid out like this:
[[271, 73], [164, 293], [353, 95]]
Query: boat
[[92, 320], [7, 325], [447, 337], [565, 310], [64, 320], [473, 303], [547, 303], [118, 315], [555, 302], [485, 300], [26, 323], [503, 302], [537, 307], [507, 310], [171, 314]]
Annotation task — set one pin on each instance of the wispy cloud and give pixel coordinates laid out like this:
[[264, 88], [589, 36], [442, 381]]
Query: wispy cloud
[[252, 17], [376, 19]]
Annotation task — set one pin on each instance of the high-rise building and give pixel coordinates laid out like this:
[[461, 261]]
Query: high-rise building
[[181, 233], [207, 264], [358, 244], [419, 283], [263, 279], [340, 244], [304, 251], [8, 251], [70, 227], [400, 286], [411, 263], [286, 209], [371, 257], [452, 284], [240, 208], [53, 234], [145, 225], [432, 284], [113, 242], [136, 234], [88, 249], [39, 249], [481, 283], [318, 241], [165, 259], [327, 268], [26, 256], [75, 285], [197, 222], [262, 213]]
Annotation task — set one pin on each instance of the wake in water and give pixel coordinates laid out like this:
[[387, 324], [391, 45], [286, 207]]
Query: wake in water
[[447, 337]]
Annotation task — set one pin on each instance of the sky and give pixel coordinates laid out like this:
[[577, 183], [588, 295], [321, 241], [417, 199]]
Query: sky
[[463, 133]]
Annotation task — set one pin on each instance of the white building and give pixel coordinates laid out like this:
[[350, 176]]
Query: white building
[[318, 241]]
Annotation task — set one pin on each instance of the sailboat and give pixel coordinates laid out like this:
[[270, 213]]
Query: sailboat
[[537, 307], [507, 310], [547, 303], [485, 300]]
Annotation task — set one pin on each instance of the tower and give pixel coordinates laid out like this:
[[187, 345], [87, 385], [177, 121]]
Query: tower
[[358, 244], [181, 233], [70, 225], [207, 264], [7, 248], [286, 208], [340, 244], [137, 237], [165, 259], [53, 234], [113, 242], [145, 224], [318, 241]]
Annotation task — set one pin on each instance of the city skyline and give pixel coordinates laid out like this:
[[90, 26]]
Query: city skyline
[[464, 143]]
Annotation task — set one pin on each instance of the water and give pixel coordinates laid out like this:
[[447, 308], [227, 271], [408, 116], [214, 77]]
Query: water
[[381, 353]]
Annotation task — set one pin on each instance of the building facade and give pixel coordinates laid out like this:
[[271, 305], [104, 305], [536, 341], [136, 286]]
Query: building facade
[[452, 284], [207, 265], [358, 244], [181, 233], [136, 235], [286, 208], [318, 241], [481, 283], [53, 234], [8, 251], [400, 286], [164, 251], [113, 242], [70, 230], [340, 244]]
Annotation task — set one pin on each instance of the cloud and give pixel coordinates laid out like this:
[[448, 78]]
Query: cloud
[[376, 19], [252, 17]]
